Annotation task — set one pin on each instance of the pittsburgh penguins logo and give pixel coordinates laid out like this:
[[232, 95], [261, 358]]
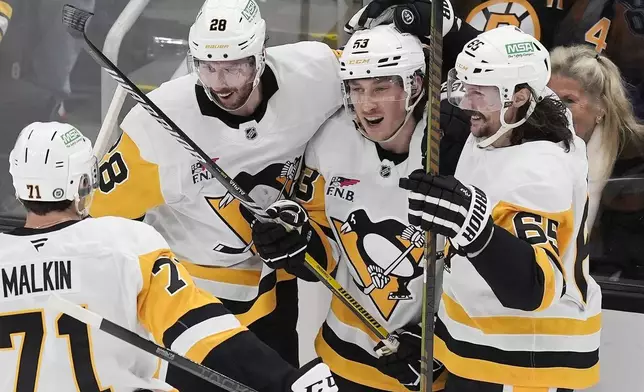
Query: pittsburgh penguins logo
[[384, 255], [270, 184], [494, 13]]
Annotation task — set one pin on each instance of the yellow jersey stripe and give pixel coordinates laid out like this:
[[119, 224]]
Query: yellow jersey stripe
[[508, 325], [475, 369], [240, 277], [355, 371], [565, 369], [199, 351]]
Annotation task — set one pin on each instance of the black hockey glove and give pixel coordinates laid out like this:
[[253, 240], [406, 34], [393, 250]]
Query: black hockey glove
[[404, 364], [409, 16], [282, 243], [444, 205], [314, 376]]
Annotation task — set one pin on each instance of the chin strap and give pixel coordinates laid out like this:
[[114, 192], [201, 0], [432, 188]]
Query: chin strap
[[505, 127], [82, 205]]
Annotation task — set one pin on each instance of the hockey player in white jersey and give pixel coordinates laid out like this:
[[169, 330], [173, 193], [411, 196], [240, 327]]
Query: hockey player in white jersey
[[120, 269], [519, 311], [356, 213], [252, 110]]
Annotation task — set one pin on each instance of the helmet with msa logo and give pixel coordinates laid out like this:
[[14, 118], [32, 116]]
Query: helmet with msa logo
[[497, 61], [52, 162]]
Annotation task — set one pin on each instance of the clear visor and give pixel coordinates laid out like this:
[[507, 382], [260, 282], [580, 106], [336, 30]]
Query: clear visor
[[226, 75], [472, 97], [374, 90]]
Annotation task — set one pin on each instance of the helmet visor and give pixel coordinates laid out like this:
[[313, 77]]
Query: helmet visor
[[374, 90], [471, 96], [232, 74]]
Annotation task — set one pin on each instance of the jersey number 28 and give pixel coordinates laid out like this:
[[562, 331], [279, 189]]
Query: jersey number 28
[[31, 325]]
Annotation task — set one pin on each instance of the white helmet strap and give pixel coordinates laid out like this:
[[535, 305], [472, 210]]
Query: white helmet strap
[[505, 127]]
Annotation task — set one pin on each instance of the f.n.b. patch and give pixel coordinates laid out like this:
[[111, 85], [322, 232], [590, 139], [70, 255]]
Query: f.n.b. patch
[[338, 187]]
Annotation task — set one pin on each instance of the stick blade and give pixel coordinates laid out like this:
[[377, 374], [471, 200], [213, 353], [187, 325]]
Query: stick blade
[[79, 313], [75, 19]]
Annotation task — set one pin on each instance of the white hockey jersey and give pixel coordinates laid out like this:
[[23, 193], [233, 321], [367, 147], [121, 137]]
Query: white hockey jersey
[[118, 268], [149, 173], [538, 192], [353, 198]]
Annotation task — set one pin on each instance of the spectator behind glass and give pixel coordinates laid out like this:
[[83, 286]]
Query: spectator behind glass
[[591, 86]]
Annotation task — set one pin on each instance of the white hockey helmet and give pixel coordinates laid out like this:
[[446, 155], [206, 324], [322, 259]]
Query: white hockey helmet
[[383, 52], [229, 30], [493, 64], [52, 162]]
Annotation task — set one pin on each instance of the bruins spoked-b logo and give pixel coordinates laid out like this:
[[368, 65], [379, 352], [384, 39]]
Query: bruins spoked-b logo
[[385, 257], [276, 179], [494, 13]]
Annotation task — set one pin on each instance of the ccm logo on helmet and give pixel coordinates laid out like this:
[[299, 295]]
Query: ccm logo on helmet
[[359, 61]]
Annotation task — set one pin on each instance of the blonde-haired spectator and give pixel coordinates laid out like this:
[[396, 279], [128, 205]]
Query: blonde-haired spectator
[[592, 87]]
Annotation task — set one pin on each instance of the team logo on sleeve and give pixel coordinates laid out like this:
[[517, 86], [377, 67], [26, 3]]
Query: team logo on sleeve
[[340, 187], [383, 256]]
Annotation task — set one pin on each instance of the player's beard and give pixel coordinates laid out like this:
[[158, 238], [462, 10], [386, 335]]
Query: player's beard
[[480, 123], [237, 98]]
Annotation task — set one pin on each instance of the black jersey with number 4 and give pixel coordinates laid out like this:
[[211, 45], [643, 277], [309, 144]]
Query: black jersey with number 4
[[613, 27]]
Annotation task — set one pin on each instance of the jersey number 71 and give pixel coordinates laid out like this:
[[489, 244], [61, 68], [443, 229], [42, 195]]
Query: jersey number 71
[[31, 325]]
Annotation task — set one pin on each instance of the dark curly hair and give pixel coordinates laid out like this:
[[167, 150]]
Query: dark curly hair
[[547, 122]]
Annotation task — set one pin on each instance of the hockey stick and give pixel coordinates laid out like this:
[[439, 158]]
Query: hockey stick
[[391, 344], [92, 319], [109, 124], [76, 20], [431, 167]]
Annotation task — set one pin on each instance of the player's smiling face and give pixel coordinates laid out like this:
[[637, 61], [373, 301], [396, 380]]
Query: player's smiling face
[[230, 82], [484, 106], [379, 105]]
